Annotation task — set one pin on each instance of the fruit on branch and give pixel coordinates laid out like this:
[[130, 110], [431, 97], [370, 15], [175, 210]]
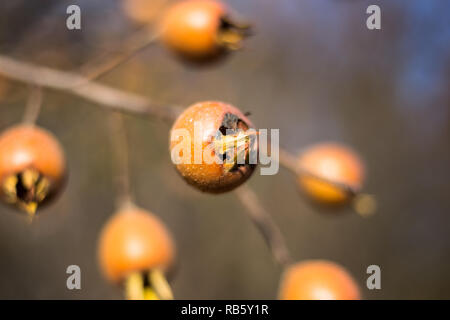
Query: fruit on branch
[[143, 11], [213, 146], [317, 280], [330, 173], [135, 244], [201, 29], [32, 167]]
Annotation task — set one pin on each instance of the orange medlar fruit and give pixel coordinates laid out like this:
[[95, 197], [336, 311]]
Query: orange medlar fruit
[[318, 280], [32, 167], [201, 29], [326, 170], [135, 247], [217, 145]]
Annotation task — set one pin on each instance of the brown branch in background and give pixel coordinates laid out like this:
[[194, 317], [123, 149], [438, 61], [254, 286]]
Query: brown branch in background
[[119, 142], [108, 97], [135, 44], [33, 107], [265, 225]]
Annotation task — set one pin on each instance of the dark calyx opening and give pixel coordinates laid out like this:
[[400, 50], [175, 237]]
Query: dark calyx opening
[[231, 33], [26, 189], [233, 143]]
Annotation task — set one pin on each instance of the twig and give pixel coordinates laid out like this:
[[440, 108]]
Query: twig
[[33, 107], [135, 44], [103, 95], [119, 143], [265, 224], [288, 160]]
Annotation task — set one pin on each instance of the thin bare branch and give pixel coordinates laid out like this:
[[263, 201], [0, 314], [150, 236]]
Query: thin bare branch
[[288, 160], [103, 95], [265, 225], [33, 107], [119, 142], [135, 44]]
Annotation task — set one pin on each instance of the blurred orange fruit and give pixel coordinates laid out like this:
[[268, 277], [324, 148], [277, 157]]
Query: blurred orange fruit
[[317, 280], [200, 29], [32, 166], [330, 162], [134, 240]]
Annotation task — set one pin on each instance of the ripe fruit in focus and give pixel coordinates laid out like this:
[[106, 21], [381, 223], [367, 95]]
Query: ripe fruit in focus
[[201, 29], [32, 167], [331, 162], [134, 240], [227, 136], [318, 280]]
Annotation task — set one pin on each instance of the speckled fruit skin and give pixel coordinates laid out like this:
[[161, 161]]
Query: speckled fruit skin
[[190, 28], [134, 240], [209, 177], [318, 280], [333, 162], [28, 146]]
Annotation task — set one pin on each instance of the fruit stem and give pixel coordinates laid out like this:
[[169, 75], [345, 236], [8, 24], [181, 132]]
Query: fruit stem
[[119, 143], [265, 224], [33, 106], [135, 44]]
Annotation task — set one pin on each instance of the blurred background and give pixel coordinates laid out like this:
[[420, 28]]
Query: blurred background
[[314, 71]]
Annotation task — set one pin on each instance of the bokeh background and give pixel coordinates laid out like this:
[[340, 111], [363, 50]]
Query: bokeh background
[[314, 71]]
